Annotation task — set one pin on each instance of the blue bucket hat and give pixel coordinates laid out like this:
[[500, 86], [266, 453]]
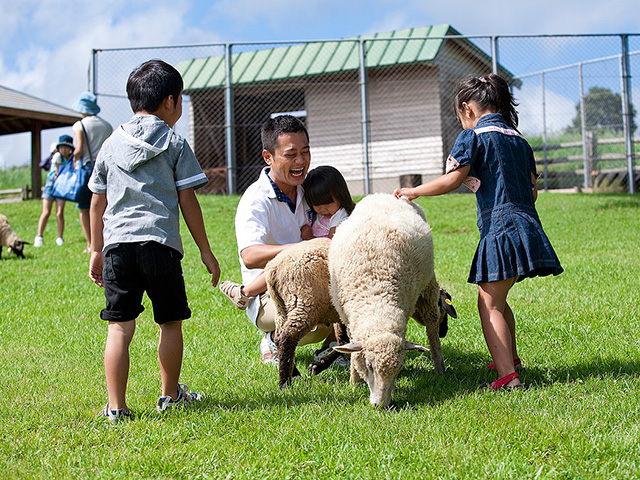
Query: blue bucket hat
[[86, 103], [65, 141]]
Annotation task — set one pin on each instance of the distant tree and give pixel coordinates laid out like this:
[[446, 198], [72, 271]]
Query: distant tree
[[603, 110]]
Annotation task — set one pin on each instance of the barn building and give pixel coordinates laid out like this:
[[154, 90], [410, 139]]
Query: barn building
[[410, 82]]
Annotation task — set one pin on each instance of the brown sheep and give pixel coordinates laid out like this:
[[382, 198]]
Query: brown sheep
[[298, 282], [9, 239]]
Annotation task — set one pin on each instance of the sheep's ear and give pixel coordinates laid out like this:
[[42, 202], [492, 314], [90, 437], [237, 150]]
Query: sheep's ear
[[445, 303], [352, 347], [414, 346]]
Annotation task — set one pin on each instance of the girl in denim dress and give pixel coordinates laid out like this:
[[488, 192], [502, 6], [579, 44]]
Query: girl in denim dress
[[492, 158]]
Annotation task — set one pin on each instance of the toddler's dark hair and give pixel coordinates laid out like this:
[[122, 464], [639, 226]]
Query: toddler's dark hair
[[324, 185], [489, 92], [274, 127], [150, 83]]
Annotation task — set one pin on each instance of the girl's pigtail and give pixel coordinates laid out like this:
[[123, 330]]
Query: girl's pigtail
[[505, 103]]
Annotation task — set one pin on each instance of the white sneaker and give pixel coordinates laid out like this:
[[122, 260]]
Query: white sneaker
[[59, 241], [38, 241], [116, 416], [185, 397], [268, 350]]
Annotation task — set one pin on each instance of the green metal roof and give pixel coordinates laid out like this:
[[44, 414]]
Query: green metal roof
[[315, 58]]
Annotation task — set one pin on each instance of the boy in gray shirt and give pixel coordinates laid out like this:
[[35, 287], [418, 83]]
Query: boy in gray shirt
[[143, 173]]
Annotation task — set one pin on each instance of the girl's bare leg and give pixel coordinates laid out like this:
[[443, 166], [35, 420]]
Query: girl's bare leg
[[47, 205], [60, 217], [492, 305]]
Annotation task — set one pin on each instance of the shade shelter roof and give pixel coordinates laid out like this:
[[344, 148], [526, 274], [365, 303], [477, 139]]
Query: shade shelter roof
[[20, 112]]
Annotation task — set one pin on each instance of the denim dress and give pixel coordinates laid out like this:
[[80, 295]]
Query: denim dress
[[512, 241]]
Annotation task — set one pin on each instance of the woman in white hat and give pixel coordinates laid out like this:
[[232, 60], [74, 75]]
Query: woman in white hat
[[90, 133]]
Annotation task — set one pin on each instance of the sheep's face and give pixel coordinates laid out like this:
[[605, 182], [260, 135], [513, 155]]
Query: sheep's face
[[378, 361], [18, 247], [446, 310]]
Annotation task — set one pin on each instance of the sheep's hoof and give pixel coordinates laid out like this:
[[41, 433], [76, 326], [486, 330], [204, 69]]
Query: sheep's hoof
[[284, 384], [313, 369]]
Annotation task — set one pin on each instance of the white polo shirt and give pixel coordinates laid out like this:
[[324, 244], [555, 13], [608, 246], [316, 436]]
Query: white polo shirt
[[263, 220]]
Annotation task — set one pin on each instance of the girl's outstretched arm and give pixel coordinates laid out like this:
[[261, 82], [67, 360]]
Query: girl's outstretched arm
[[443, 184]]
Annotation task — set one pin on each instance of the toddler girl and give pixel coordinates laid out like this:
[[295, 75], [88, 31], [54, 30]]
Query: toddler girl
[[64, 151], [492, 158], [326, 192]]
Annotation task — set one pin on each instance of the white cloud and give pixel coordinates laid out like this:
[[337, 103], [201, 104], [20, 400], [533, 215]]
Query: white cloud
[[559, 110], [57, 69], [495, 17]]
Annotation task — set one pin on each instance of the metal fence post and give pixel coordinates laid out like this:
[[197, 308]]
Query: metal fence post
[[583, 128], [91, 72], [229, 129], [627, 119], [544, 136], [364, 117], [494, 54]]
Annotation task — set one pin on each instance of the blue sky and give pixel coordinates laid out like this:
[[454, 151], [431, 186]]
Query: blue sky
[[45, 45]]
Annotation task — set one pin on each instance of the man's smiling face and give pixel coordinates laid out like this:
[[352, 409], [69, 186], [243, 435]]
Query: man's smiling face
[[290, 160]]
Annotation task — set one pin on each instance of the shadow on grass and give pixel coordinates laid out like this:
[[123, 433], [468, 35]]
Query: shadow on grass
[[416, 385]]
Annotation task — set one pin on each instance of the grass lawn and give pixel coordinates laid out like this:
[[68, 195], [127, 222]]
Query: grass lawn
[[577, 333]]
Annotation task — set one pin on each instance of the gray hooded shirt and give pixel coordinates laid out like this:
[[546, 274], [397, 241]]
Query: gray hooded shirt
[[141, 167]]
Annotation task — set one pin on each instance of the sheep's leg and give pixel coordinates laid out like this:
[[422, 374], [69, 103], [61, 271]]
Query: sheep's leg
[[325, 362], [286, 345], [434, 347], [287, 339], [354, 377]]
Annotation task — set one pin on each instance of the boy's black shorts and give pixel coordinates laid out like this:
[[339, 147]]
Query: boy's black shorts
[[130, 269]]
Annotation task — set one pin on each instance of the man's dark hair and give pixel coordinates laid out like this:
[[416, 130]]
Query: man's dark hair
[[274, 127], [150, 83]]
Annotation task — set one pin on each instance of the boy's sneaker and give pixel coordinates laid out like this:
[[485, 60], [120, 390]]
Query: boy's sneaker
[[268, 350], [116, 416], [59, 241], [184, 398], [38, 241]]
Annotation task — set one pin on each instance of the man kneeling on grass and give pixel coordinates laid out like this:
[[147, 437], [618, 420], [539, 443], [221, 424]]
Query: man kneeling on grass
[[143, 172]]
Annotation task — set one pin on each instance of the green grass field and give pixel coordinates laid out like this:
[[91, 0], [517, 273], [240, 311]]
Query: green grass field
[[577, 334]]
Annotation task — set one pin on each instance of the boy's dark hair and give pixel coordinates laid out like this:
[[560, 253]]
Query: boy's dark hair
[[274, 127], [488, 91], [324, 185], [150, 83]]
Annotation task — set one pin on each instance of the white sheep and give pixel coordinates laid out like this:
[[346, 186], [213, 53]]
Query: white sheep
[[381, 272], [9, 238], [298, 282]]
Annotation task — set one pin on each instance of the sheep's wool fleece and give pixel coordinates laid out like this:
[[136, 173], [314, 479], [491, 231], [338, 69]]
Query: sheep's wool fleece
[[380, 259], [7, 235]]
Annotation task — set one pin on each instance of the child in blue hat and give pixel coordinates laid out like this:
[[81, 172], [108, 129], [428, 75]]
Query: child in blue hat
[[63, 155]]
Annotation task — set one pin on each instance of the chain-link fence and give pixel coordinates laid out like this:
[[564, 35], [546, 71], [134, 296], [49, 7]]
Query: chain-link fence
[[380, 108]]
